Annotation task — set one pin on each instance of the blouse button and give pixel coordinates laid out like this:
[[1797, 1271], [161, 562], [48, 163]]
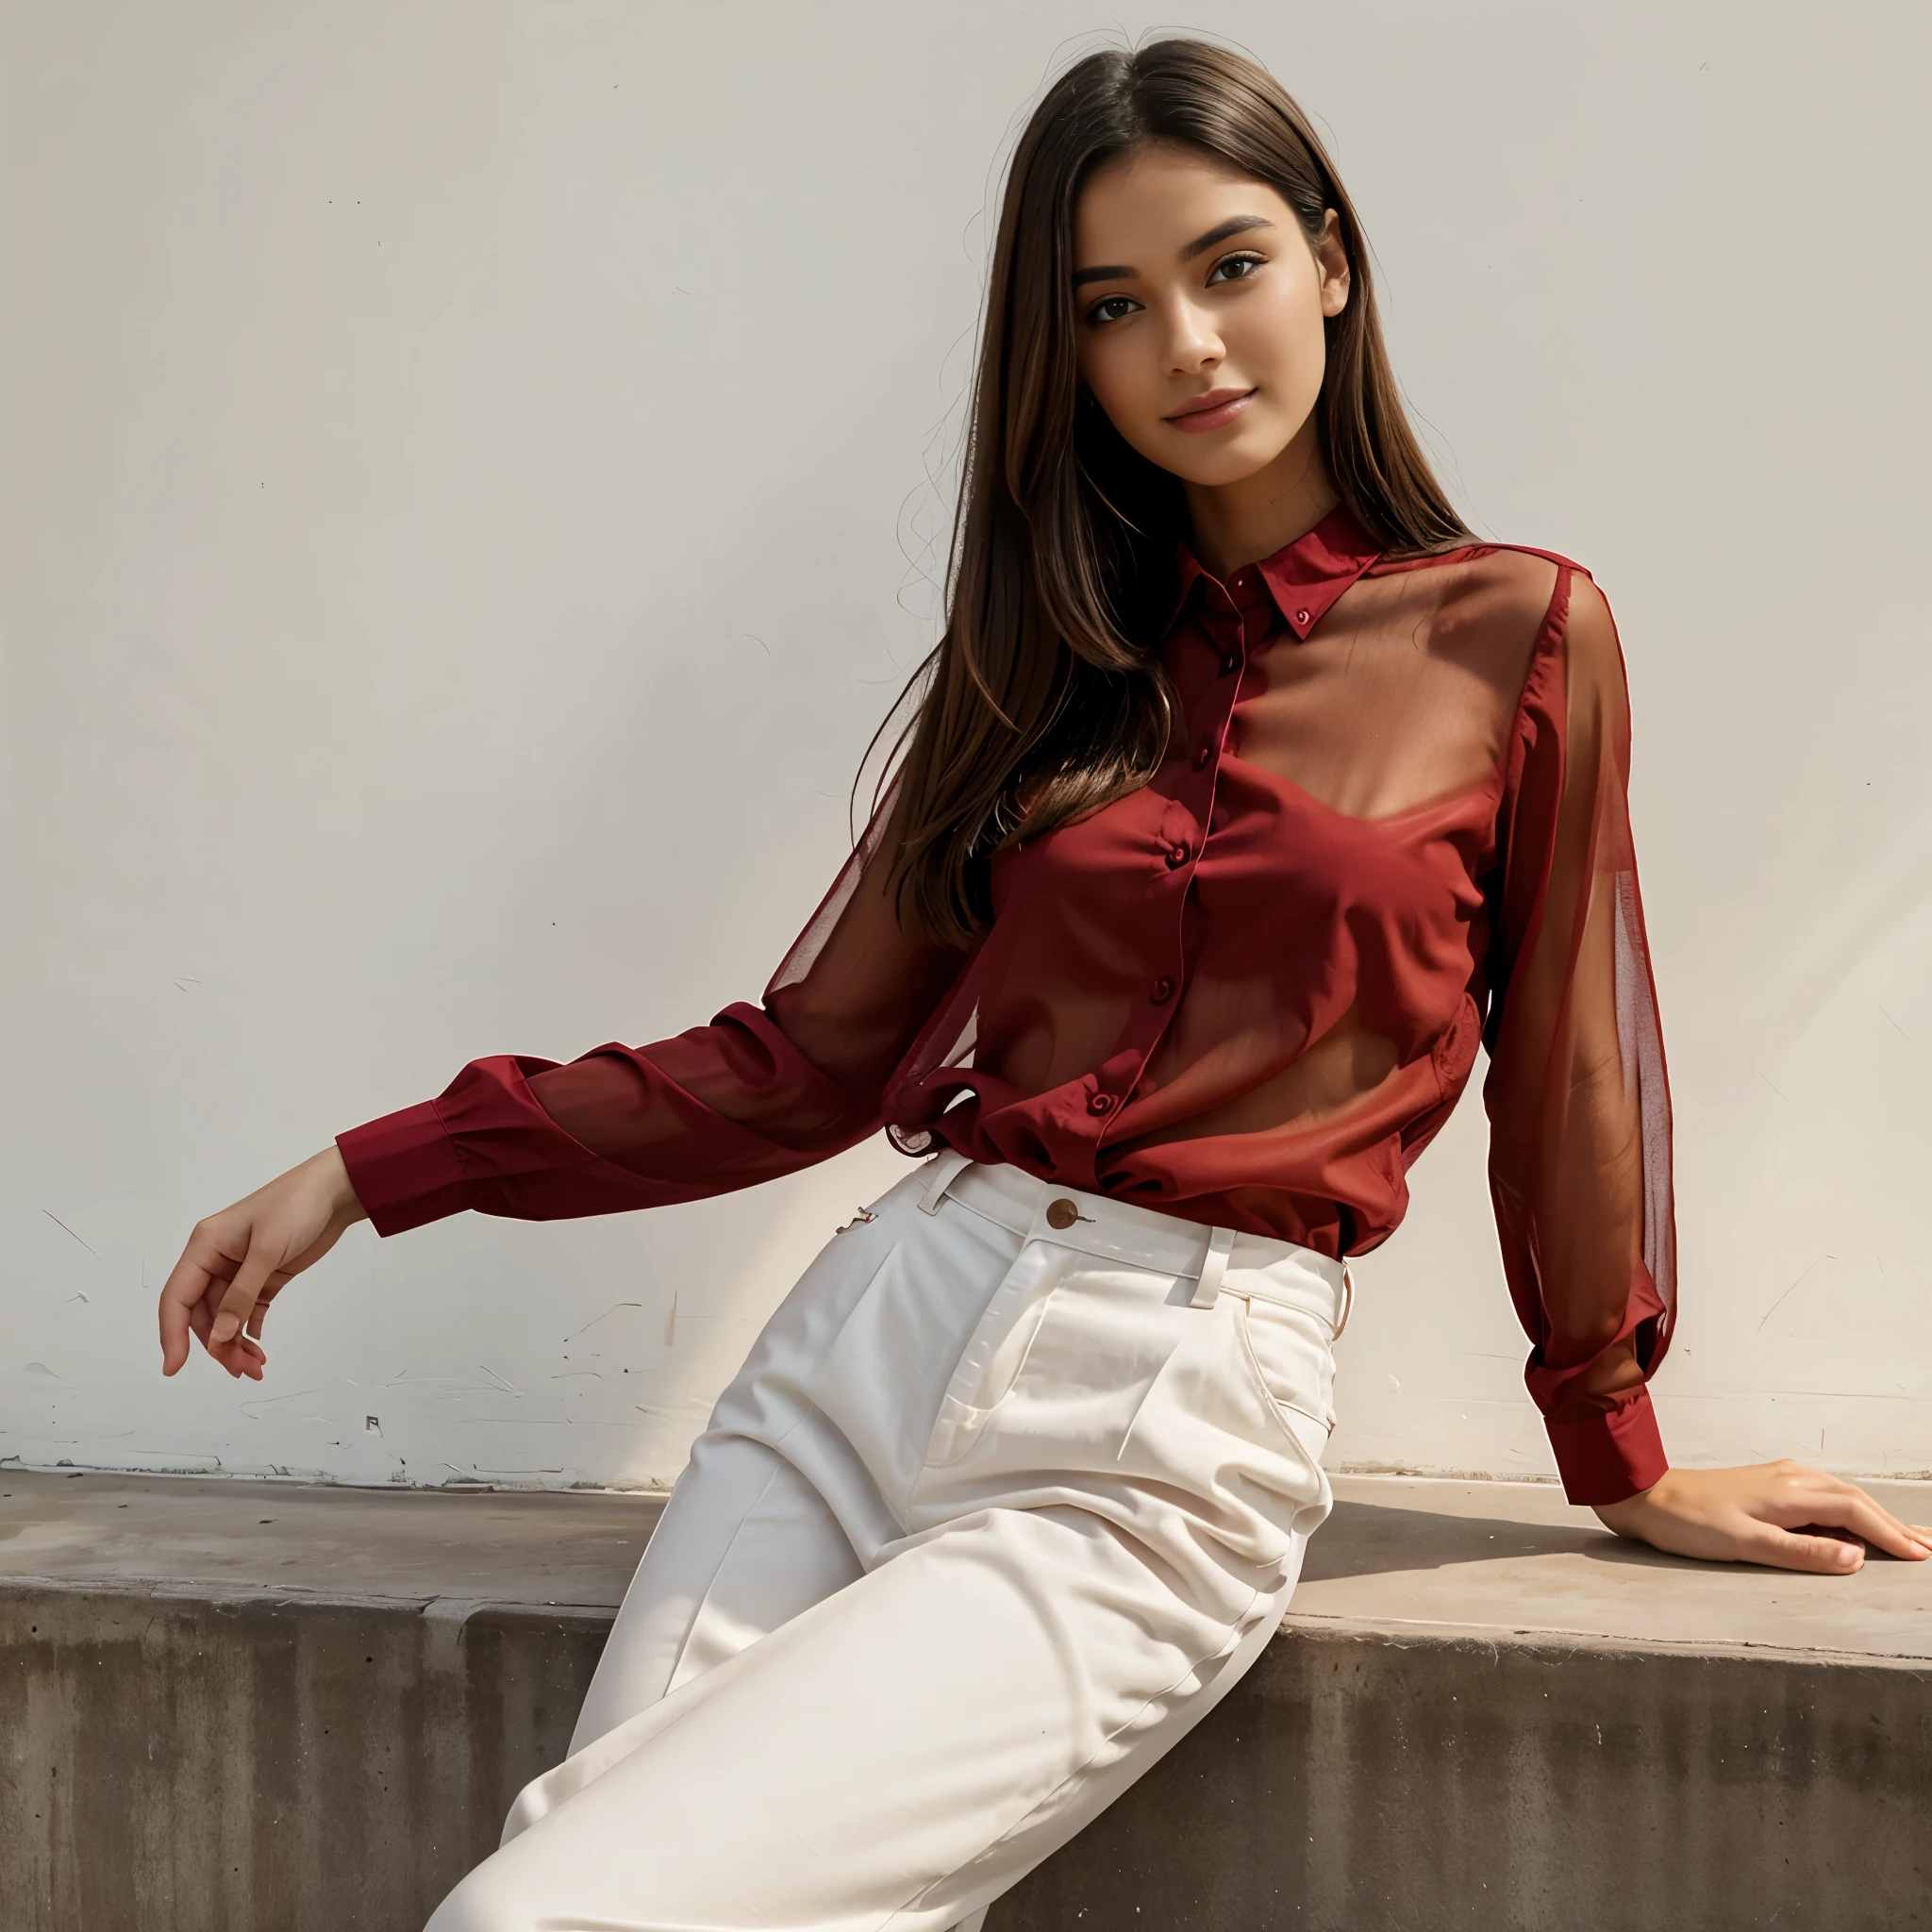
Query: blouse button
[[1176, 856], [1100, 1103], [1202, 757], [1163, 992], [1226, 665], [1061, 1213], [1300, 617]]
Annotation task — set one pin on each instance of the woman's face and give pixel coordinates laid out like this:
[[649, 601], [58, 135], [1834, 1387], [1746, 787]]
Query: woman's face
[[1200, 306]]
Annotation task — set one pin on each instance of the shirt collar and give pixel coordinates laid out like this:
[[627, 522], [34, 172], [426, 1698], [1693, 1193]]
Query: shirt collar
[[1303, 578]]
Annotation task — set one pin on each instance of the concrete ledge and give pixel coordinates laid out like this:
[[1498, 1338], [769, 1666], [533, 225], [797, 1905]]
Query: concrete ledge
[[1484, 1713]]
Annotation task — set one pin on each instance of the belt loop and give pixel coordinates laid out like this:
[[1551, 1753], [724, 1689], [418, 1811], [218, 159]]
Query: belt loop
[[939, 1175], [1347, 1299], [1213, 1267]]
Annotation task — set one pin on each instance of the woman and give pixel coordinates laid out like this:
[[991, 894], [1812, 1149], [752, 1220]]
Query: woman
[[1248, 791]]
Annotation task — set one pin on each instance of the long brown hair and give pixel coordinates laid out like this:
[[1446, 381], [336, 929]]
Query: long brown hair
[[1045, 698]]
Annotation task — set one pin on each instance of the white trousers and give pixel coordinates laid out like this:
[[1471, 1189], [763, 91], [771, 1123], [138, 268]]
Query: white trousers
[[1011, 1490]]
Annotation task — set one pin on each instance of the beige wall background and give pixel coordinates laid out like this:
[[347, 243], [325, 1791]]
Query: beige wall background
[[470, 491]]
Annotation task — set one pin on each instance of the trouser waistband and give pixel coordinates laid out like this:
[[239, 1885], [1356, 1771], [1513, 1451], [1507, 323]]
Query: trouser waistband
[[1217, 1260]]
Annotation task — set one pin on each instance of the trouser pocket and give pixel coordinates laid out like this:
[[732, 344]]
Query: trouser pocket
[[997, 1352], [1289, 1351], [1086, 1370], [1214, 1424], [1062, 1357]]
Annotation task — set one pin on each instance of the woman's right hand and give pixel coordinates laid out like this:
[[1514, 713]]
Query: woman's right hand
[[236, 1262]]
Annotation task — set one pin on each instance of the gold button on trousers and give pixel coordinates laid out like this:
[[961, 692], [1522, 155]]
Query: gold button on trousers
[[1012, 1487]]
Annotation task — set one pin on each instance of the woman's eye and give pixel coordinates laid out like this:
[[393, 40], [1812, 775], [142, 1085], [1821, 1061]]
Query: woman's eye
[[1236, 268], [1111, 309]]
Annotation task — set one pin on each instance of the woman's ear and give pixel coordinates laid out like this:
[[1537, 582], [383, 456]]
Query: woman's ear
[[1331, 259]]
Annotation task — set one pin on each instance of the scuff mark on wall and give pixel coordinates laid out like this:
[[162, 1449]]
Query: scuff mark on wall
[[603, 1317], [1791, 1290], [65, 1229]]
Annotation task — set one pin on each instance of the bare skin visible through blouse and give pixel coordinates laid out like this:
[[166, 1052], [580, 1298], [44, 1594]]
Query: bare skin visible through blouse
[[1422, 798], [1404, 708]]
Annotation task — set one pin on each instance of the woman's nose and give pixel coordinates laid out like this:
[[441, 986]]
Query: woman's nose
[[1192, 340]]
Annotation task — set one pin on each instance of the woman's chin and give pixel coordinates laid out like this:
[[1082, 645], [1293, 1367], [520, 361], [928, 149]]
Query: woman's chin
[[1233, 462]]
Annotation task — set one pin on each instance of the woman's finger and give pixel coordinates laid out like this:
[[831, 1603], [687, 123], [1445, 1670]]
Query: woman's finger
[[203, 1263], [239, 1357], [1822, 1555], [1900, 1538], [1815, 1482], [1849, 1507], [238, 1302], [233, 1356], [259, 1314], [201, 1319]]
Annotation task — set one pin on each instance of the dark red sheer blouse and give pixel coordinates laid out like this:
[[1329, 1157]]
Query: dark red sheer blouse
[[1248, 993]]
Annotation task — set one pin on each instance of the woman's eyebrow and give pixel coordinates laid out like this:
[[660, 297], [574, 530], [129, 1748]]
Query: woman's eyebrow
[[1234, 224]]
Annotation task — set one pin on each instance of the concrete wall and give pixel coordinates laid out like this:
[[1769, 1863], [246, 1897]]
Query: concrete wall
[[468, 499], [1353, 1782], [1480, 1712]]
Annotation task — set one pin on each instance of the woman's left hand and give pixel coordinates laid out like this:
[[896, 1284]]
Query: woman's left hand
[[1761, 1514]]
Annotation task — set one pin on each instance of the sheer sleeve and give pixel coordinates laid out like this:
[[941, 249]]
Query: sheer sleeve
[[761, 1092], [1576, 1093]]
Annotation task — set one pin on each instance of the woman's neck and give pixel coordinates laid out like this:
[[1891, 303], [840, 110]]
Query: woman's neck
[[1241, 523]]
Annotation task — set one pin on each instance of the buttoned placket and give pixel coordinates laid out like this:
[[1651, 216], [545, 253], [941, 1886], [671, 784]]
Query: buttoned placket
[[1231, 630]]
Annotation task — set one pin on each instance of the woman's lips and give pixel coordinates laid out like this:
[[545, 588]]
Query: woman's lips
[[1214, 411]]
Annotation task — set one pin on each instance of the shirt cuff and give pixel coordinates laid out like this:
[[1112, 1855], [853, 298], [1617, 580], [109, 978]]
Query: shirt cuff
[[404, 1169], [1604, 1458]]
